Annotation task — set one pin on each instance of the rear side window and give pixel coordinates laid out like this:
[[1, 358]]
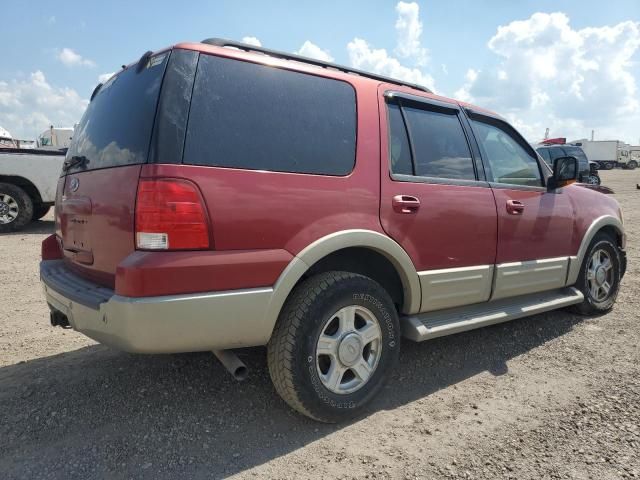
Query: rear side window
[[439, 144], [399, 150], [256, 117], [116, 127]]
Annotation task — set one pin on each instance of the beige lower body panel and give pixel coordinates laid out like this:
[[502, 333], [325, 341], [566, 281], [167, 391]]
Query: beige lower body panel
[[172, 324], [521, 278], [452, 287]]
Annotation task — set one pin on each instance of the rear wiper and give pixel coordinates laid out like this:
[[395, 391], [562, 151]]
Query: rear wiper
[[74, 161]]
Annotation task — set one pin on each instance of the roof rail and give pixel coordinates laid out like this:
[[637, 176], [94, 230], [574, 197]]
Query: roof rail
[[222, 42]]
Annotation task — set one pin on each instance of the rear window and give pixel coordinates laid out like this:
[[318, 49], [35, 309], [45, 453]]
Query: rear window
[[257, 117], [116, 127]]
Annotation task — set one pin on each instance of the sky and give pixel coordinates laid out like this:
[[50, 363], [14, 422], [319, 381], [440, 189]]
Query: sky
[[572, 66]]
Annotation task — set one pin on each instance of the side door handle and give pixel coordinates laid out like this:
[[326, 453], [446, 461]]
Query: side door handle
[[405, 204], [515, 207]]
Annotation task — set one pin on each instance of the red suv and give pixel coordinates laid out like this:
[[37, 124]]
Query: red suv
[[216, 198]]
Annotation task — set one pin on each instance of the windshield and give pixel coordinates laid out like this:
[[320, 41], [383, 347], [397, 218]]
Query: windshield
[[116, 127]]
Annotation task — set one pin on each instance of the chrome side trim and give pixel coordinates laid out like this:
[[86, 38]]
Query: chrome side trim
[[598, 224], [521, 278], [452, 287]]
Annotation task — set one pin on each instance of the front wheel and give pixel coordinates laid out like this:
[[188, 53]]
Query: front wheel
[[594, 180], [632, 165], [334, 345], [599, 278]]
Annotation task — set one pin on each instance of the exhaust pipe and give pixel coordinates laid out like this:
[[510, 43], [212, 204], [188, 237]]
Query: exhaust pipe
[[232, 363], [58, 319]]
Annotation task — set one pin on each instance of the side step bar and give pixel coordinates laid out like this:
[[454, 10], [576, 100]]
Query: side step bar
[[425, 326]]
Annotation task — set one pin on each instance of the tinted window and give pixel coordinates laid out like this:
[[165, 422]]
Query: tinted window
[[544, 153], [116, 128], [439, 144], [506, 158], [399, 150], [245, 115]]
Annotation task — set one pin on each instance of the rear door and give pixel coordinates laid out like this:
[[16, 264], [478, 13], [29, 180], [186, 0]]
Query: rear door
[[95, 213], [535, 227], [434, 201]]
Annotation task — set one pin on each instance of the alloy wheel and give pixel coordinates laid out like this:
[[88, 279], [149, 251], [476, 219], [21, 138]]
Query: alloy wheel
[[348, 349]]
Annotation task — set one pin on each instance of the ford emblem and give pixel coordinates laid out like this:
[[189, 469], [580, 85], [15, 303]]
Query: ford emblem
[[74, 185]]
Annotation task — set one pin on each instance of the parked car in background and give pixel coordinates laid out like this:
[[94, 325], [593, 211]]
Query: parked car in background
[[28, 180], [608, 153], [588, 171], [217, 198]]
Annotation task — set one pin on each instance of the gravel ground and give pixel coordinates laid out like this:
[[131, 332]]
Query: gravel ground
[[551, 396]]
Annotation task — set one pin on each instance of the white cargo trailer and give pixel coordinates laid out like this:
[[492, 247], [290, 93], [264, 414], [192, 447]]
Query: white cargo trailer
[[607, 153]]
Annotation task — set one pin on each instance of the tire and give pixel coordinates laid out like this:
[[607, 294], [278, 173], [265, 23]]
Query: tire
[[608, 165], [598, 302], [632, 165], [315, 315], [594, 180], [40, 211], [16, 208]]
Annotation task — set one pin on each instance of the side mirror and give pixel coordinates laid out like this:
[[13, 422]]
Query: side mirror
[[565, 172]]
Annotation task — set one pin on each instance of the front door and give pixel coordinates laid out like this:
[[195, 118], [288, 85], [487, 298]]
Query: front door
[[535, 227], [433, 202]]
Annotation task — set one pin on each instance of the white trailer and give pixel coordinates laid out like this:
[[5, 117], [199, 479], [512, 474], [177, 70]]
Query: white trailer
[[59, 137], [607, 153], [28, 181]]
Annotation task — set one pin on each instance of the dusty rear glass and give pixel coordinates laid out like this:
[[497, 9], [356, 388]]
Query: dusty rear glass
[[257, 117], [116, 127]]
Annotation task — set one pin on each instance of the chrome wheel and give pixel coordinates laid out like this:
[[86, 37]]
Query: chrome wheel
[[348, 349], [9, 209], [600, 275]]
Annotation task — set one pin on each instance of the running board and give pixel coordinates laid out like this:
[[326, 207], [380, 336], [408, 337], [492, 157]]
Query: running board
[[425, 326]]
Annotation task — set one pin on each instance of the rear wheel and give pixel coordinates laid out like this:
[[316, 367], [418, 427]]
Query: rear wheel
[[599, 279], [16, 208], [333, 347], [40, 211], [608, 165]]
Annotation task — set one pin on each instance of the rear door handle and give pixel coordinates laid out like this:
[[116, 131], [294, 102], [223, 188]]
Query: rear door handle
[[405, 204], [514, 207]]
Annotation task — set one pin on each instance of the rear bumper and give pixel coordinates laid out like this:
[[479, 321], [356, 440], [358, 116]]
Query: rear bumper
[[164, 324]]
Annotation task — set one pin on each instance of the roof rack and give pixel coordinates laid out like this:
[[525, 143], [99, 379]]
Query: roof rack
[[222, 42]]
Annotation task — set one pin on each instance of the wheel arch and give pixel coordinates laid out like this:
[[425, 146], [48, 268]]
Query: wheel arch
[[323, 249], [24, 184], [606, 223]]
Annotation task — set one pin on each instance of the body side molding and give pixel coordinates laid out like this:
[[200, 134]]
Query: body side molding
[[598, 224], [452, 287]]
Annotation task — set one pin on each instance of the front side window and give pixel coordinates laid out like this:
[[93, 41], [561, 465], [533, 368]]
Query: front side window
[[507, 160], [257, 117]]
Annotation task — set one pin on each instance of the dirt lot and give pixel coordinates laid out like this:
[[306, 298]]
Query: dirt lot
[[551, 396]]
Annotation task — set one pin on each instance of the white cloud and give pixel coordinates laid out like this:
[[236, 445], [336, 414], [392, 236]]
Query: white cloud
[[362, 56], [105, 76], [409, 31], [311, 50], [29, 106], [252, 41], [71, 59], [570, 80]]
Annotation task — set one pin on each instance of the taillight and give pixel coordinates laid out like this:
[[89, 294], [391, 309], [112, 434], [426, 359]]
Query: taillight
[[170, 215]]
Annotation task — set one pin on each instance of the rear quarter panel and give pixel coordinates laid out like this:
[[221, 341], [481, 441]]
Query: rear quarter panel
[[41, 170], [251, 209]]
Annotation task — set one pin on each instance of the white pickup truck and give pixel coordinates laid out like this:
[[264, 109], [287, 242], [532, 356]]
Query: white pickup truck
[[28, 180]]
